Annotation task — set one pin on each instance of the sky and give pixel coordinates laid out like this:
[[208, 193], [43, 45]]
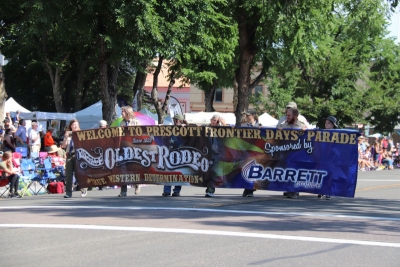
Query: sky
[[394, 28]]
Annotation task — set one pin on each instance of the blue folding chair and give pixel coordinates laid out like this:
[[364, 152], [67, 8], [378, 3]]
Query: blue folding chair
[[47, 171], [31, 176], [23, 151]]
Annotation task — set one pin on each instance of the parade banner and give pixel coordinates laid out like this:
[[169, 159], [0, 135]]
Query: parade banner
[[314, 161]]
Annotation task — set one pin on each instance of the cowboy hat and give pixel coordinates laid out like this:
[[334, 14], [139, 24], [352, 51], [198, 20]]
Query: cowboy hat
[[53, 149]]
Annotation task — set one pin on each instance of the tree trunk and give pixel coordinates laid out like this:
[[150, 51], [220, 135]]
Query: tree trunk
[[154, 92], [167, 96], [3, 94], [140, 81], [80, 92], [55, 77], [209, 97], [235, 93], [112, 72], [243, 73], [108, 108]]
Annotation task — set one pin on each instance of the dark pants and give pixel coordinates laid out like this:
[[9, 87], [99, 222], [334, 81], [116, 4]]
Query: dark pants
[[69, 173], [167, 189], [14, 180]]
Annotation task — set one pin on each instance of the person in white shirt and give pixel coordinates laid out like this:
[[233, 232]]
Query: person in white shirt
[[34, 140]]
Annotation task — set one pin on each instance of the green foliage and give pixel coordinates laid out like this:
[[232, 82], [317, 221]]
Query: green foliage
[[323, 71], [383, 96]]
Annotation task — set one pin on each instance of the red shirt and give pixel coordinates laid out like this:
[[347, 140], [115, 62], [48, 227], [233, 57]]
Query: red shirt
[[48, 139]]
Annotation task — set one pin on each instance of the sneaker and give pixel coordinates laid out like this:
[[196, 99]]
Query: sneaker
[[250, 194], [244, 193], [328, 197], [84, 192], [67, 196], [17, 195], [208, 194], [292, 195], [176, 194], [137, 189], [319, 196], [285, 194], [122, 194], [166, 194]]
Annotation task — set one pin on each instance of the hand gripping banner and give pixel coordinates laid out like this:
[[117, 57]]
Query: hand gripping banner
[[314, 161]]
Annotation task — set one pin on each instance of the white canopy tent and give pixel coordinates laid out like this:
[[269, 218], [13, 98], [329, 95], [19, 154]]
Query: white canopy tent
[[205, 117], [12, 106], [89, 117], [43, 117], [267, 120], [38, 115]]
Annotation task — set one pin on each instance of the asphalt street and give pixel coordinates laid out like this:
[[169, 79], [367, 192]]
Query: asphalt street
[[191, 230]]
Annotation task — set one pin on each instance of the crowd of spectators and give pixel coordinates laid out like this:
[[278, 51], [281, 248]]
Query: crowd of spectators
[[382, 154]]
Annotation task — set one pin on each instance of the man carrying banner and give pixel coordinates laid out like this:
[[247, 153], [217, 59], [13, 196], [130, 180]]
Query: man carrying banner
[[178, 120], [252, 121], [129, 120], [216, 120], [292, 122], [300, 117]]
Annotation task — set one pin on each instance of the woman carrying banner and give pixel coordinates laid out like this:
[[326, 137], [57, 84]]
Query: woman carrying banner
[[178, 120], [129, 119], [68, 144], [330, 124]]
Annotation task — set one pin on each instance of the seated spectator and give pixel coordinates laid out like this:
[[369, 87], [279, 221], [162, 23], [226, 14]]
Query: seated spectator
[[387, 159], [48, 139], [61, 153], [7, 167], [363, 161], [56, 160]]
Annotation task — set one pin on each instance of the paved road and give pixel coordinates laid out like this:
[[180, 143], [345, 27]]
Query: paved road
[[228, 230]]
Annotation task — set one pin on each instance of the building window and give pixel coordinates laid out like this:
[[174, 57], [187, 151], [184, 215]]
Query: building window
[[258, 89], [218, 95]]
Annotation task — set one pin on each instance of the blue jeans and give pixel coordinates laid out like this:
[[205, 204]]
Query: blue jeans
[[388, 161], [167, 189]]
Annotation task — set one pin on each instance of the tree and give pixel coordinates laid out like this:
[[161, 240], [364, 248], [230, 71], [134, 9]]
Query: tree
[[3, 94], [325, 76], [211, 64], [266, 25], [382, 96], [188, 29], [43, 33]]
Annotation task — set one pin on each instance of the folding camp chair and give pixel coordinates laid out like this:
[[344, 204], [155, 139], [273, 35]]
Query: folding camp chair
[[16, 159], [4, 182], [23, 151], [29, 173], [34, 155], [47, 171]]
